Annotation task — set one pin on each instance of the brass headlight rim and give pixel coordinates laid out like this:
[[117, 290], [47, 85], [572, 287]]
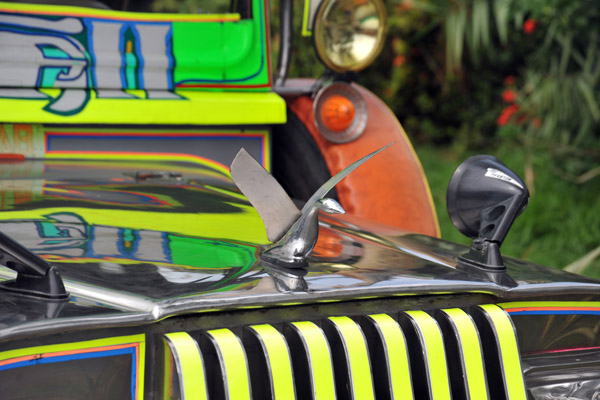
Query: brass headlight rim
[[359, 65]]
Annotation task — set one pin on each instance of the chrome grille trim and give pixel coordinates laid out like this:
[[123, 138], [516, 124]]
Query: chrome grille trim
[[439, 354]]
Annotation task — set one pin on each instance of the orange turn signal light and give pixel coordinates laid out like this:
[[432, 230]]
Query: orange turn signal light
[[338, 112]]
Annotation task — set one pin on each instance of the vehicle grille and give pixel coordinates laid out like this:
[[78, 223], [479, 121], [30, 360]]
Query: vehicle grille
[[448, 353]]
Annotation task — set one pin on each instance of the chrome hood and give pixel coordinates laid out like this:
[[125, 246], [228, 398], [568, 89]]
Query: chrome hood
[[141, 241]]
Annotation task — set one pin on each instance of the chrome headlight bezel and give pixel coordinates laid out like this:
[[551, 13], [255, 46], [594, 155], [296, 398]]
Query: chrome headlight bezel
[[365, 42]]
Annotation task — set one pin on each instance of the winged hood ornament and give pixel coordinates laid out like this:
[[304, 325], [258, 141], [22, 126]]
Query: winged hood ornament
[[293, 233]]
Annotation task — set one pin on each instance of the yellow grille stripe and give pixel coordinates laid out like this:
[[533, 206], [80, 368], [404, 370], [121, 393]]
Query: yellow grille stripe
[[509, 352], [470, 350], [189, 364], [320, 366], [358, 358], [396, 355], [233, 363], [435, 357], [278, 359]]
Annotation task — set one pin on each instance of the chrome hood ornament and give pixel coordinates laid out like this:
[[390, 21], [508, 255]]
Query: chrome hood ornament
[[293, 248], [293, 232]]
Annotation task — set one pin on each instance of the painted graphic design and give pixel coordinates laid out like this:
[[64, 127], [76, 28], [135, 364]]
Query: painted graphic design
[[113, 366], [69, 59], [213, 149]]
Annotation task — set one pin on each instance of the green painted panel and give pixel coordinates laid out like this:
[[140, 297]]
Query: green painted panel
[[242, 47], [198, 49]]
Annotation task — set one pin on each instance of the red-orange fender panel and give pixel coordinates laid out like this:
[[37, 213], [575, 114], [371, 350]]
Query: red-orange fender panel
[[391, 188]]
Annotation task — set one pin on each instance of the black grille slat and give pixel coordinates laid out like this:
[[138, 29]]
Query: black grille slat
[[491, 353], [416, 354], [269, 361], [340, 363], [215, 381], [379, 365], [312, 360], [300, 363], [456, 372], [257, 366]]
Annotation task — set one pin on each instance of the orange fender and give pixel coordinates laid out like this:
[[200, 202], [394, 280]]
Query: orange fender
[[391, 188]]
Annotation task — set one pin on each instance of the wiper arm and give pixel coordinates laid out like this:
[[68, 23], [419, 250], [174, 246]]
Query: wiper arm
[[35, 277]]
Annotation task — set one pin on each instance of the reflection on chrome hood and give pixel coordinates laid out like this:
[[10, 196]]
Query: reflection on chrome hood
[[157, 239]]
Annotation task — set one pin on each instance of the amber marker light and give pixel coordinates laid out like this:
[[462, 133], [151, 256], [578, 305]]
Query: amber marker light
[[340, 112], [337, 112]]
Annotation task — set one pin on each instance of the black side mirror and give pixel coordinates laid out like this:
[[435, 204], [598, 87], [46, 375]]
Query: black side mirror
[[484, 198]]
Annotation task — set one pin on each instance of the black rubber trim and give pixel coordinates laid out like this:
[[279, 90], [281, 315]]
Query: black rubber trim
[[297, 162]]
